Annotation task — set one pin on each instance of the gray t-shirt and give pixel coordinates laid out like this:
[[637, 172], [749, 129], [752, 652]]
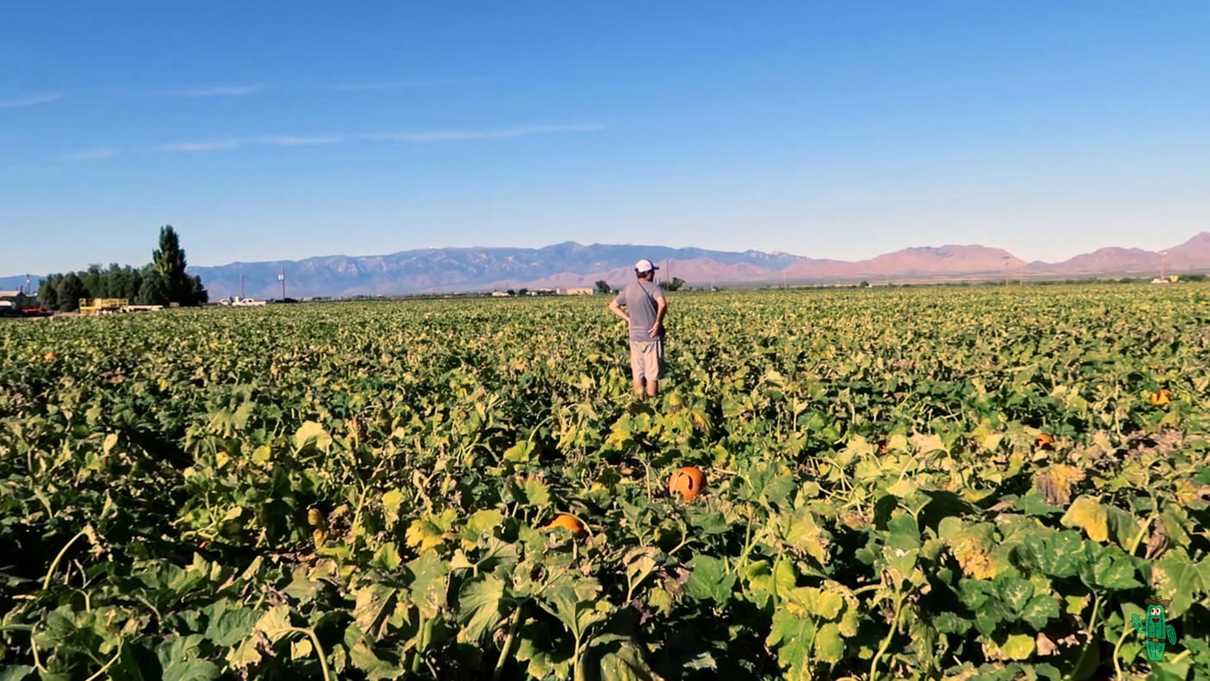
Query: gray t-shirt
[[639, 300]]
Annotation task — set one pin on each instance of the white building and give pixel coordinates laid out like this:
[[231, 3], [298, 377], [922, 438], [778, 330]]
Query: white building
[[17, 298]]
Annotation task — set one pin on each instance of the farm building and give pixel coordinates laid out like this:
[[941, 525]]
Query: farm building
[[18, 299], [580, 291]]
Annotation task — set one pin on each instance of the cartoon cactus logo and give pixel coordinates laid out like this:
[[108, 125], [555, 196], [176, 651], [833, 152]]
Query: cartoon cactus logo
[[1157, 633]]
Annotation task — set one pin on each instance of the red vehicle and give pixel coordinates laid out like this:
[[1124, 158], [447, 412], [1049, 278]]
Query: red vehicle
[[38, 311]]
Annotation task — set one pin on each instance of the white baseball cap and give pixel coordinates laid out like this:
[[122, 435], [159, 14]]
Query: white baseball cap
[[644, 265]]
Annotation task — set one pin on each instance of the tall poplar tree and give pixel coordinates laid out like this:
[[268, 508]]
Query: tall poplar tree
[[168, 264]]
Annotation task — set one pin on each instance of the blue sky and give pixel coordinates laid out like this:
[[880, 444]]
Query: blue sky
[[833, 130]]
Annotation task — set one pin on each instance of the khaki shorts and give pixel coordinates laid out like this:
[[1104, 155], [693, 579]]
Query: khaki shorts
[[647, 359]]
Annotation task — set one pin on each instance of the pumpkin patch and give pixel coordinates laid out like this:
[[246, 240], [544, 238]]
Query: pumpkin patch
[[940, 482]]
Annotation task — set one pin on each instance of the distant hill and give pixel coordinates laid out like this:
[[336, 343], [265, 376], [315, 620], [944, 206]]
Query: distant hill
[[17, 281], [437, 270], [926, 261], [463, 269]]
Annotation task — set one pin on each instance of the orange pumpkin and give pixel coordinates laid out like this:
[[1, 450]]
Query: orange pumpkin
[[1160, 398], [687, 482], [567, 522], [1045, 440]]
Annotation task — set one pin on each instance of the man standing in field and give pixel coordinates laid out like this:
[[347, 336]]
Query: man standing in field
[[641, 304]]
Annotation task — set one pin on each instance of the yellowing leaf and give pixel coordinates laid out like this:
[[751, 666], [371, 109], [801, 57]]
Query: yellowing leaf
[[859, 446], [300, 649], [828, 645], [1055, 483], [991, 441], [828, 604], [430, 531], [275, 623], [1018, 647], [924, 444], [391, 501], [802, 532], [245, 654], [1089, 515], [261, 455], [519, 453], [902, 488], [971, 546], [973, 558], [311, 432], [484, 521]]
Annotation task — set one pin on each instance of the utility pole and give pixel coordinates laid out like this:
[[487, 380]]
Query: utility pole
[[282, 278], [241, 285]]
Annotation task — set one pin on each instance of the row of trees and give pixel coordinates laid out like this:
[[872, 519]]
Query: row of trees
[[161, 282], [676, 284]]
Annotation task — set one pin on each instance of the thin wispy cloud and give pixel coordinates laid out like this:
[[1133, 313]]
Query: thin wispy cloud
[[486, 134], [298, 141], [376, 85], [30, 100], [217, 91], [91, 155], [430, 136], [229, 144], [196, 147], [370, 86]]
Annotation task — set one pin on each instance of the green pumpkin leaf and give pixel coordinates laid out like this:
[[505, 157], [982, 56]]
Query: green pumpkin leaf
[[1040, 610], [429, 577], [709, 580], [191, 670], [1180, 581], [372, 605], [479, 608]]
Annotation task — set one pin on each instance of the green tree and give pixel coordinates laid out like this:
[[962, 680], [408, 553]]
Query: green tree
[[48, 294], [69, 291], [94, 282], [169, 264], [131, 283], [198, 296], [153, 290], [603, 286], [675, 285]]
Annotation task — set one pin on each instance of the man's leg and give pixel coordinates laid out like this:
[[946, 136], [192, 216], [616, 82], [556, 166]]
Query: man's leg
[[653, 362], [636, 370]]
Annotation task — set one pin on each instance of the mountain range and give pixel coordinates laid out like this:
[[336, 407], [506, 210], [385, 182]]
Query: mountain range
[[569, 264]]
